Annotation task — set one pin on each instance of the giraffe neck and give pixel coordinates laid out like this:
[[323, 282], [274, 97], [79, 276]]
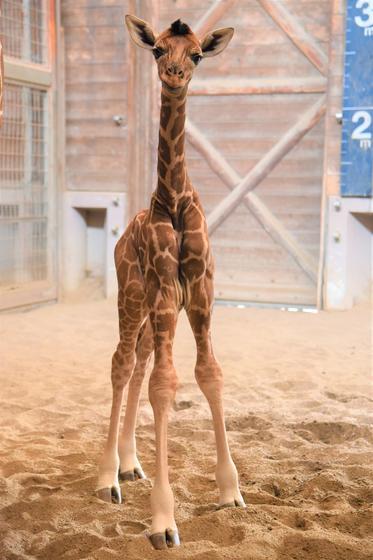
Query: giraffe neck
[[173, 183]]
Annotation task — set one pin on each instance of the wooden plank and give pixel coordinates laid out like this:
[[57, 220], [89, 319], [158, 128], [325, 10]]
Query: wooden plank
[[212, 16], [97, 16], [332, 145], [230, 289], [142, 110], [96, 85], [96, 110], [229, 176], [279, 233], [60, 139], [27, 72], [260, 86], [266, 164], [296, 32], [95, 72], [1, 82], [273, 226], [99, 91]]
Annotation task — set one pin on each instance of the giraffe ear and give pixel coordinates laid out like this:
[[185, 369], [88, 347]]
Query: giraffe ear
[[215, 42], [141, 32]]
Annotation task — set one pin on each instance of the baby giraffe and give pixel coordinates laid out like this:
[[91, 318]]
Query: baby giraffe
[[164, 264]]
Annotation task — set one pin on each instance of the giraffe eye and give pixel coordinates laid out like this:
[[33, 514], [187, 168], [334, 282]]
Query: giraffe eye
[[196, 58], [158, 52]]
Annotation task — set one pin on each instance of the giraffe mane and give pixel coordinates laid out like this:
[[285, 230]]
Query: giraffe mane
[[180, 28]]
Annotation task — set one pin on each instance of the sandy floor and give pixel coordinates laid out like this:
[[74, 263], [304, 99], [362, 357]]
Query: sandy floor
[[299, 414]]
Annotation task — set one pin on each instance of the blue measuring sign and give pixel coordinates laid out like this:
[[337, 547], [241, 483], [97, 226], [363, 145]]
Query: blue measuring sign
[[357, 128]]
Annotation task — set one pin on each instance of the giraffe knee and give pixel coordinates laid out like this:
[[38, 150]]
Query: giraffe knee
[[163, 384], [209, 377], [139, 373], [122, 366]]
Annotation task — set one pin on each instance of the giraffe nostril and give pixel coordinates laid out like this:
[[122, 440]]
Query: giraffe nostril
[[174, 70]]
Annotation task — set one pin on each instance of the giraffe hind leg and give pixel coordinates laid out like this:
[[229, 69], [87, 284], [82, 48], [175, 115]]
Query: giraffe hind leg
[[130, 467], [210, 380]]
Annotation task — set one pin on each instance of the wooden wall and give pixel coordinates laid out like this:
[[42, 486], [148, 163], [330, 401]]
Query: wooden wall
[[251, 264], [96, 90], [278, 75]]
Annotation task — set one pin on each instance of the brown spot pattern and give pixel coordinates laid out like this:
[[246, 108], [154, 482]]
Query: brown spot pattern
[[163, 261]]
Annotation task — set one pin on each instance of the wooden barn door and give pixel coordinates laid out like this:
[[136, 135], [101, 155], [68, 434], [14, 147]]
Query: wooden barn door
[[256, 134]]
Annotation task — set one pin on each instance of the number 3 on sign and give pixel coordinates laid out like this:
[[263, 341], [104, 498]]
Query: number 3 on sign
[[366, 6], [360, 132]]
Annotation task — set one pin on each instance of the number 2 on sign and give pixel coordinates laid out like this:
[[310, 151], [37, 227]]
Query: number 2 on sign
[[366, 7], [360, 132]]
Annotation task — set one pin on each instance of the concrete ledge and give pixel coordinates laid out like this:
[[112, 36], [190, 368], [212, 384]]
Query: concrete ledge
[[349, 256]]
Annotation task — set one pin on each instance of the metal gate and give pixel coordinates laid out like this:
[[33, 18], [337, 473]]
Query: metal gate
[[256, 129], [27, 187]]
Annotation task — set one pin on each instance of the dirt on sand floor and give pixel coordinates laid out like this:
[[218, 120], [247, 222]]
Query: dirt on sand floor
[[299, 417]]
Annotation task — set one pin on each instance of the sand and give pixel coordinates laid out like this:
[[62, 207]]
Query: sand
[[299, 416]]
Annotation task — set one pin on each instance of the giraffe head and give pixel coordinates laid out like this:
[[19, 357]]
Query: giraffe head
[[177, 50]]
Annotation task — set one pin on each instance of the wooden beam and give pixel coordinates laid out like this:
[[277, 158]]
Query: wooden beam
[[265, 217], [332, 133], [281, 235], [266, 164], [1, 82], [213, 157], [27, 72], [142, 108], [212, 16], [257, 86], [269, 222], [296, 32]]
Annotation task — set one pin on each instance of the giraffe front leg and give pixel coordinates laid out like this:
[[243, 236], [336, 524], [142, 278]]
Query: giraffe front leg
[[163, 303], [162, 389], [130, 467]]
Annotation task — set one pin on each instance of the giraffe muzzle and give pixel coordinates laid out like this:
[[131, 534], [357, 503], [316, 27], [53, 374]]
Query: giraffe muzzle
[[173, 89]]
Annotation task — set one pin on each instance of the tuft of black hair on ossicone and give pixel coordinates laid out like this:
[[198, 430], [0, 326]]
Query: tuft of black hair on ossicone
[[180, 28]]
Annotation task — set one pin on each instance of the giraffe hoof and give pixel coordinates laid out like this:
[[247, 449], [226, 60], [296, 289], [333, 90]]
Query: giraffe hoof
[[169, 539], [235, 503], [172, 538], [136, 474], [110, 495]]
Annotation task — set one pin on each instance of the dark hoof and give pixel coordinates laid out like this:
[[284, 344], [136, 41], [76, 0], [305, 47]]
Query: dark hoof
[[235, 503], [136, 474], [110, 495], [170, 538]]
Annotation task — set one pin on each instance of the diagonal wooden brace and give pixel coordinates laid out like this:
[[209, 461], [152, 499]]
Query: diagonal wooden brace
[[241, 187], [212, 16], [296, 33]]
